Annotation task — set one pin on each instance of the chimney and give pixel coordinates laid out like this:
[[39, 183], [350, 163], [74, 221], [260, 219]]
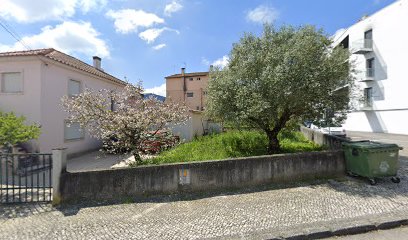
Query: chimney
[[183, 71], [211, 68], [97, 62]]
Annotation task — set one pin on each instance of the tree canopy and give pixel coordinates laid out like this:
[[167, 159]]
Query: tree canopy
[[124, 116], [284, 75]]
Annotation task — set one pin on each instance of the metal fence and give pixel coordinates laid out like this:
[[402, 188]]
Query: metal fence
[[25, 177]]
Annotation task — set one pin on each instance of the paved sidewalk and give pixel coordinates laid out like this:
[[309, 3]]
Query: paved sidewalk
[[94, 161], [97, 160], [401, 140], [263, 214]]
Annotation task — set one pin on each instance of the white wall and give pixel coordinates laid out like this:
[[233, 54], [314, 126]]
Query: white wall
[[390, 99], [54, 87], [191, 128], [194, 126], [378, 121], [27, 103]]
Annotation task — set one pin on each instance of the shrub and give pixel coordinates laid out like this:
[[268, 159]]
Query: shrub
[[233, 144], [13, 130]]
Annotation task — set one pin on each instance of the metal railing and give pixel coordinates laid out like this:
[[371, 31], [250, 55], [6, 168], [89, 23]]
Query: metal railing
[[365, 75], [370, 73], [25, 177], [363, 44], [368, 103]]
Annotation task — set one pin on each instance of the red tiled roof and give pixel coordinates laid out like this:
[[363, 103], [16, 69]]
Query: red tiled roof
[[188, 74], [64, 59]]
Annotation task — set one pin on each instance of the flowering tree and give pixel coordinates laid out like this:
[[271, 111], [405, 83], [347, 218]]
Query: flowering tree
[[123, 116]]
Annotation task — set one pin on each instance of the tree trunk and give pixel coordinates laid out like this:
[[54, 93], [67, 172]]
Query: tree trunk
[[137, 157], [273, 144], [136, 144]]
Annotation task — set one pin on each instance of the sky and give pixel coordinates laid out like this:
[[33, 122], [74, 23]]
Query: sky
[[146, 40]]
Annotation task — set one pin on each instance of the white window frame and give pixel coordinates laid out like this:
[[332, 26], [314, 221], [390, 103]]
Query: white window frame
[[80, 87], [66, 122], [2, 91]]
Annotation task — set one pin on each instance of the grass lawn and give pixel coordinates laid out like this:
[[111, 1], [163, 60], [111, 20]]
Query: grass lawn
[[232, 144]]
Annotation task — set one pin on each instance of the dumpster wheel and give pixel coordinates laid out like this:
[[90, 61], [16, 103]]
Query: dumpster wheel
[[395, 179], [372, 181]]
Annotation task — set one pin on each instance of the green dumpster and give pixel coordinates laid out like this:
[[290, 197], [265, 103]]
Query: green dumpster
[[372, 160]]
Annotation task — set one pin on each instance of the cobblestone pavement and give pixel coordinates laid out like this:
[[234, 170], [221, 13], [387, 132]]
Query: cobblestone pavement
[[245, 215], [223, 216]]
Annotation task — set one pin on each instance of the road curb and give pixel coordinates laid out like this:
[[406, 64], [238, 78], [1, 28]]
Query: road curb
[[351, 230], [328, 229]]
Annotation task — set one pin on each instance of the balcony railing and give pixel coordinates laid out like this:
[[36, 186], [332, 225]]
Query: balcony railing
[[366, 105], [367, 75], [362, 46]]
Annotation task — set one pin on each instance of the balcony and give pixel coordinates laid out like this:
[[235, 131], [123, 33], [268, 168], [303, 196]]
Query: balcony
[[367, 105], [367, 75], [362, 46]]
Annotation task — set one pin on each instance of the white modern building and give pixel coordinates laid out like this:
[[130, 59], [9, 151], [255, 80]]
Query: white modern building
[[32, 84], [379, 47]]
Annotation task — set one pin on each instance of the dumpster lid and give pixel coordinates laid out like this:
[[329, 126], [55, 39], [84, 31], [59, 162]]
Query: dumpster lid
[[371, 145]]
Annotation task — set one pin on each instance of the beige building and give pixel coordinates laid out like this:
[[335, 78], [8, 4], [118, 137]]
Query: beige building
[[189, 88], [32, 84]]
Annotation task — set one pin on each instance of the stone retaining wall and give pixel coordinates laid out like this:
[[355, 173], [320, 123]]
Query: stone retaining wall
[[331, 141], [201, 176]]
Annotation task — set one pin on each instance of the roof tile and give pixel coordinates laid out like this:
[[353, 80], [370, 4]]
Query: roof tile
[[188, 74], [64, 59]]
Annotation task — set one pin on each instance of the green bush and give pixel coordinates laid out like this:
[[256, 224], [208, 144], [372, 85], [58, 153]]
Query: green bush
[[232, 144], [13, 130]]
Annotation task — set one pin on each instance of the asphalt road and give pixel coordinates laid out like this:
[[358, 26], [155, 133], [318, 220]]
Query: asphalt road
[[396, 233]]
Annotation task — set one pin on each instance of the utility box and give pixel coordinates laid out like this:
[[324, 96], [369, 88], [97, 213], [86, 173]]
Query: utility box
[[372, 160]]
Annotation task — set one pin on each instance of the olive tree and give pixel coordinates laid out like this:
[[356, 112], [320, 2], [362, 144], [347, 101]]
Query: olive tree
[[125, 116], [282, 76]]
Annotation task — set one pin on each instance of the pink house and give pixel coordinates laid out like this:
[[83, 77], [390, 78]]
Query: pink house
[[32, 84]]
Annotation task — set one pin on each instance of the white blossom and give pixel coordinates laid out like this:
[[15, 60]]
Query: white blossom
[[123, 116]]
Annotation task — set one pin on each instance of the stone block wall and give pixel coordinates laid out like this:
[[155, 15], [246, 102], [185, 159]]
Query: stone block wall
[[201, 176]]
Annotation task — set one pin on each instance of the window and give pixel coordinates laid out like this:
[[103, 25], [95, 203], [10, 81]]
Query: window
[[197, 107], [345, 42], [368, 97], [368, 39], [190, 94], [74, 88], [368, 34], [204, 92], [191, 79], [198, 78], [11, 82], [73, 131], [370, 67]]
